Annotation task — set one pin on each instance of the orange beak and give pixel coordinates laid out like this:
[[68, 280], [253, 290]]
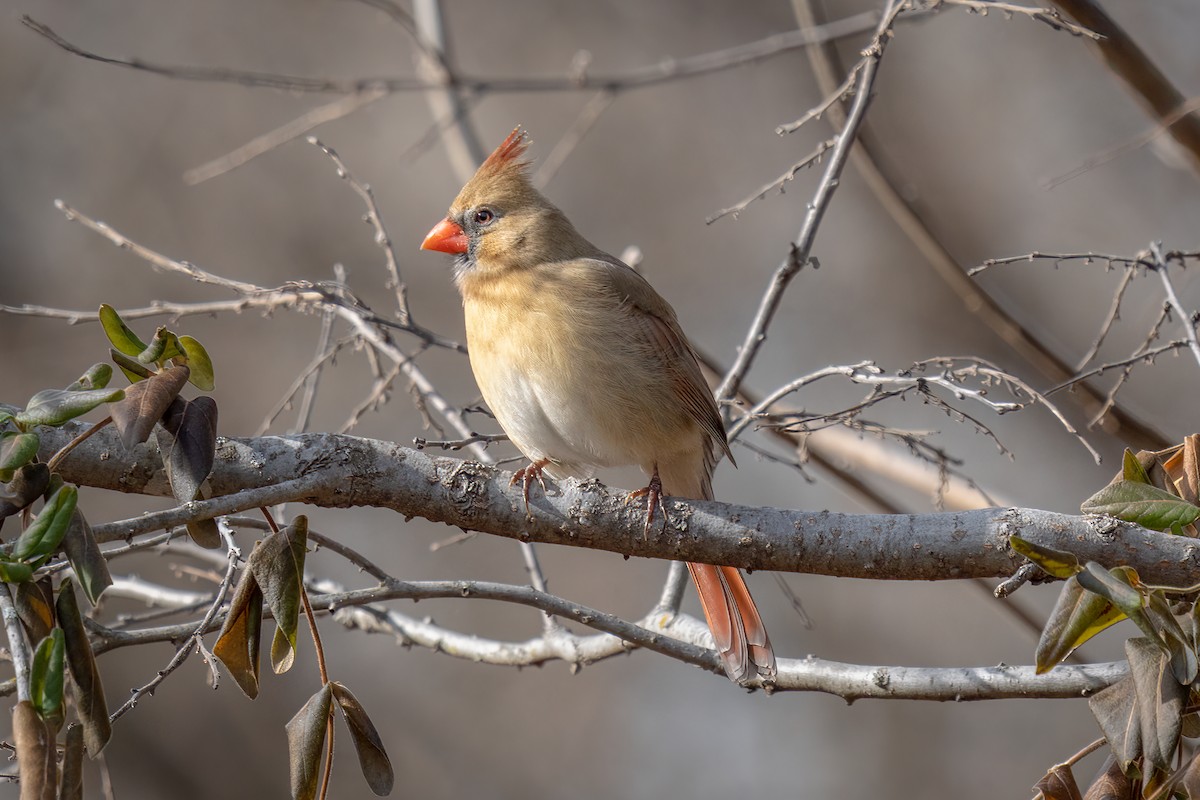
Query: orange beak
[[446, 237]]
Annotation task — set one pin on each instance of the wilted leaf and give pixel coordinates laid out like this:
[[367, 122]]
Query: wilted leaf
[[1077, 616], [188, 443], [89, 691], [56, 406], [1111, 783], [48, 528], [205, 533], [1142, 504], [91, 568], [134, 370], [35, 607], [28, 484], [1160, 701], [35, 753], [306, 741], [145, 403], [372, 758], [16, 450], [1115, 709], [46, 677], [70, 784], [1186, 483], [118, 333], [201, 365], [1058, 784], [238, 643], [1179, 645], [1113, 585], [1056, 563], [278, 565], [1132, 469]]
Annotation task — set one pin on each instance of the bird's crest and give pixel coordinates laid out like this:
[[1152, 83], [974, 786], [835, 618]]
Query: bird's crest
[[508, 155]]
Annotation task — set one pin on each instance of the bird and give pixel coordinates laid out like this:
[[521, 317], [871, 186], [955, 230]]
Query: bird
[[585, 366]]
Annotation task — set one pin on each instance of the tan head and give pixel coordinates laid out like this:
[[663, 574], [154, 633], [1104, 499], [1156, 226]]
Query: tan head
[[500, 221]]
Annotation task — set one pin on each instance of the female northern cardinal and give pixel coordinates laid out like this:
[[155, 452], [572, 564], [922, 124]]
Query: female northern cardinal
[[585, 366]]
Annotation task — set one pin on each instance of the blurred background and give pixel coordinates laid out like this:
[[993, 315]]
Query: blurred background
[[972, 115]]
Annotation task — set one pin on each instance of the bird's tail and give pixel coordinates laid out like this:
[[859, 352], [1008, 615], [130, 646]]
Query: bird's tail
[[737, 629]]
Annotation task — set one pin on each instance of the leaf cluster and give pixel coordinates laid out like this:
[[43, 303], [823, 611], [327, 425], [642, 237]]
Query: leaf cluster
[[1146, 715]]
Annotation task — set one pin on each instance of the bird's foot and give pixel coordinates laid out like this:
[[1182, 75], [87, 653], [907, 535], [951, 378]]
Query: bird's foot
[[527, 475], [654, 501]]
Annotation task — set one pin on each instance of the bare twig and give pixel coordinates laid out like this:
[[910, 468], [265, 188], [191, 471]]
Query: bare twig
[[18, 644], [588, 116], [1186, 318], [1121, 54], [801, 247], [374, 219], [1117, 423], [639, 77], [809, 160], [342, 107]]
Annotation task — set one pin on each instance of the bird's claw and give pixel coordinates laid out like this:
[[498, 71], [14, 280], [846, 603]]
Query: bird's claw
[[527, 475], [654, 500]]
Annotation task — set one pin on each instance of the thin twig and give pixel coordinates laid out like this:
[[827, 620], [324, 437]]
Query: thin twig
[[588, 117], [1186, 318], [810, 160], [294, 129], [638, 77], [18, 644], [801, 247]]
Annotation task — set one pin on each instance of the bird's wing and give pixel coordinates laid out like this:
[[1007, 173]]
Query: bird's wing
[[650, 310]]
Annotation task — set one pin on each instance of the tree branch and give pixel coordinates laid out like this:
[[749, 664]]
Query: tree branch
[[343, 471]]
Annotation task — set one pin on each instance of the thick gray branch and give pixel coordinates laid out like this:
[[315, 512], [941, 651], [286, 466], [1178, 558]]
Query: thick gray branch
[[340, 471]]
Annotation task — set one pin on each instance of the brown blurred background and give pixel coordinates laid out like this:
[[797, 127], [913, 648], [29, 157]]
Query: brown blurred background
[[973, 114]]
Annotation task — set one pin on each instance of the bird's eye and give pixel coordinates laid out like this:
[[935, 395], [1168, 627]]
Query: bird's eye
[[484, 215]]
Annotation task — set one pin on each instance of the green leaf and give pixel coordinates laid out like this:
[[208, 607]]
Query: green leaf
[[1056, 563], [14, 571], [1132, 469], [46, 677], [202, 367], [5, 416], [89, 564], [48, 528], [134, 370], [16, 450], [238, 643], [118, 333], [1115, 585], [35, 752], [1142, 504], [372, 757], [97, 377], [145, 403], [1077, 616], [156, 350], [278, 565], [188, 443], [306, 743], [90, 704], [28, 484], [56, 406]]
